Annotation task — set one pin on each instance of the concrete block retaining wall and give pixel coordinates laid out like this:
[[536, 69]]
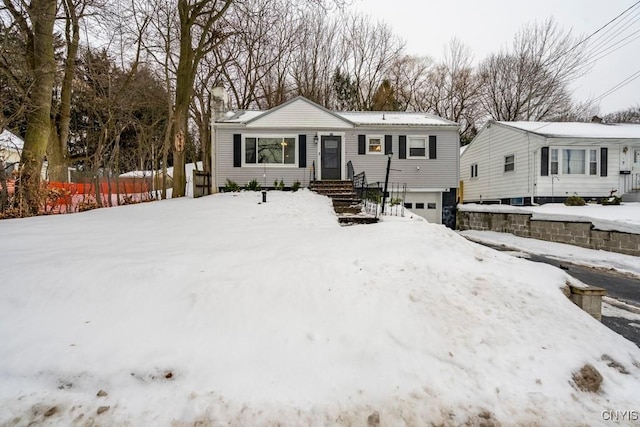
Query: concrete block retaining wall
[[582, 234]]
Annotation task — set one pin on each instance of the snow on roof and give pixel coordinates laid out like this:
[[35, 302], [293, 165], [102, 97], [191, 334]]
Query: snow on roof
[[578, 129], [9, 140], [394, 118], [463, 149], [241, 116], [138, 174]]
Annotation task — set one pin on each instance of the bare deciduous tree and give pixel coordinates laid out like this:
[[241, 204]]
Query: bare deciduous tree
[[530, 82], [35, 21]]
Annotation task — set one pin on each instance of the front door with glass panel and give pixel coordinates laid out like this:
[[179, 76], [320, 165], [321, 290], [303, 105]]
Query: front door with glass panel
[[331, 155]]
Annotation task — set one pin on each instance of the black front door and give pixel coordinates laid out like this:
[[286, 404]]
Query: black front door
[[331, 152]]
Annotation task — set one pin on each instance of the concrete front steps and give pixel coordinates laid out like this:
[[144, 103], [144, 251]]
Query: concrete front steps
[[346, 204]]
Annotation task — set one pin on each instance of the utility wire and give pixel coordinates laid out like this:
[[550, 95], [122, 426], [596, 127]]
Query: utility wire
[[604, 26], [600, 44], [603, 54], [617, 87]]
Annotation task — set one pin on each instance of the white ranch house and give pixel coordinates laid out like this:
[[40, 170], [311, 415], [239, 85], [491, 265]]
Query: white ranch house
[[303, 141], [10, 150], [540, 162]]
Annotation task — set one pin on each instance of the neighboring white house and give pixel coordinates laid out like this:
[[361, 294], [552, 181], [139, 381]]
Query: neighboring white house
[[10, 150], [302, 141], [540, 162]]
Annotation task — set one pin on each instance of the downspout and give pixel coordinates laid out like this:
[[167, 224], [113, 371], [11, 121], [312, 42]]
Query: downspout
[[214, 166]]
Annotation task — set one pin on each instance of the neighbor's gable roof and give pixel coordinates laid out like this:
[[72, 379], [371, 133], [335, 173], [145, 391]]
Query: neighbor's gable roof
[[578, 129], [10, 141]]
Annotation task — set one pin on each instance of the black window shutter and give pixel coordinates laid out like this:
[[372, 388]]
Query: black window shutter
[[432, 146], [604, 159], [302, 151], [362, 144], [237, 150], [402, 149], [387, 144], [544, 161]]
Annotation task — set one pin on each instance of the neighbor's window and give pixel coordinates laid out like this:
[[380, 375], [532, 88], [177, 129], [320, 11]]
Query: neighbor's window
[[510, 163], [374, 144], [408, 205], [573, 162], [474, 170], [417, 147], [419, 205], [270, 150], [593, 162], [554, 161]]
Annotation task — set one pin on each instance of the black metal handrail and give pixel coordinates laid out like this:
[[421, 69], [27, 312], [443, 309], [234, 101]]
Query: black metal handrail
[[312, 172]]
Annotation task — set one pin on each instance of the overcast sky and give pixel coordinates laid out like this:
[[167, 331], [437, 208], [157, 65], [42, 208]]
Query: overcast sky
[[488, 25]]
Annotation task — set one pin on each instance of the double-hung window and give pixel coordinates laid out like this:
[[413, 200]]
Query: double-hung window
[[271, 150], [510, 163], [417, 147], [474, 170], [593, 162], [554, 161], [374, 145]]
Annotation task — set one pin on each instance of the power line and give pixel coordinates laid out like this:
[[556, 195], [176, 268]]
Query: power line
[[600, 44], [615, 88], [614, 50], [603, 27]]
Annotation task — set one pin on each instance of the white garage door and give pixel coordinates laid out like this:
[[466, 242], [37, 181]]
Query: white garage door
[[427, 205]]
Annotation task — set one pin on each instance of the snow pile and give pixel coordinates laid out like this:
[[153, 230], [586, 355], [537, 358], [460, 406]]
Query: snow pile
[[225, 311]]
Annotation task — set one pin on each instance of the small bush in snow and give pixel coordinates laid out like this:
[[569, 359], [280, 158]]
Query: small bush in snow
[[295, 186], [574, 200], [231, 186], [253, 185]]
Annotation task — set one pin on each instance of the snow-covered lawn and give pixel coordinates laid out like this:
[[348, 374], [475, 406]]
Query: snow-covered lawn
[[224, 311]]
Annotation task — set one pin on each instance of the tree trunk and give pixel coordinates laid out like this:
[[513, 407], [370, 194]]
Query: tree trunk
[[4, 192], [41, 59]]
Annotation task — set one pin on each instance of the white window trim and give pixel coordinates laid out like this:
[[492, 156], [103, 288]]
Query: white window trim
[[375, 153], [476, 170], [597, 162], [504, 163], [269, 165], [557, 161], [587, 165], [426, 147]]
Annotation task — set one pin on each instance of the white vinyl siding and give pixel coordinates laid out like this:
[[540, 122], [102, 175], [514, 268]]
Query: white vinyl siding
[[442, 172], [488, 150], [585, 184], [299, 114]]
